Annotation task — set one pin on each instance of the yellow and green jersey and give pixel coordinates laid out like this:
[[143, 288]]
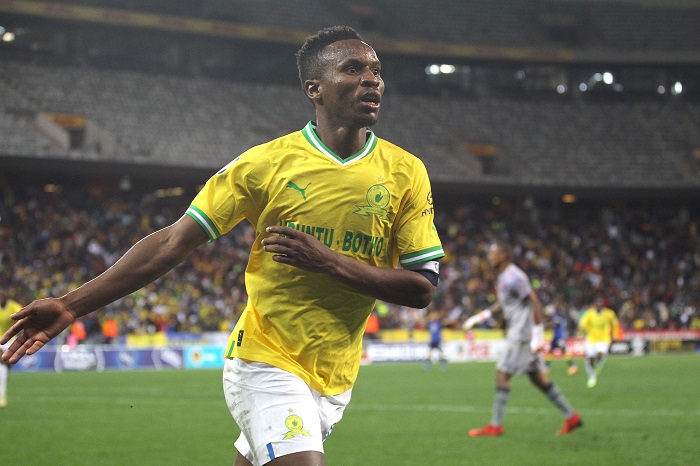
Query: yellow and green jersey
[[375, 206], [599, 326], [11, 306]]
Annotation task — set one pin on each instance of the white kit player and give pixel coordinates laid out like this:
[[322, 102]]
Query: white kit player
[[522, 311]]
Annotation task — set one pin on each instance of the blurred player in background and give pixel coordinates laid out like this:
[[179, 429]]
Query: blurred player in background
[[434, 323], [7, 308], [600, 325], [336, 212], [524, 341], [558, 322]]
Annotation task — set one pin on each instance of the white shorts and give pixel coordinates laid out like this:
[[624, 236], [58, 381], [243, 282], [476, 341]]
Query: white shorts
[[594, 348], [517, 359], [277, 412]]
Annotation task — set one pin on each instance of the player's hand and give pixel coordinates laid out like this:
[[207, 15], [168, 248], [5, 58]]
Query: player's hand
[[298, 249], [470, 322], [537, 340], [476, 319], [36, 325]]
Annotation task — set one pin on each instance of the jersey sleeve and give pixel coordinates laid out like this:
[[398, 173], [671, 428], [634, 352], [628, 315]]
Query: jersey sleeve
[[417, 237], [227, 198]]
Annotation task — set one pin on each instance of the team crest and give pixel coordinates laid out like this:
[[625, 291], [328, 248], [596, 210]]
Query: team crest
[[378, 199], [295, 426]]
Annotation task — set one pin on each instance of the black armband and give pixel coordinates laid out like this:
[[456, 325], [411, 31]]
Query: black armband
[[432, 277]]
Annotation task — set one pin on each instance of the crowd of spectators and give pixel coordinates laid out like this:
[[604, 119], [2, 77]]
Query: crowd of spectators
[[51, 242], [642, 257]]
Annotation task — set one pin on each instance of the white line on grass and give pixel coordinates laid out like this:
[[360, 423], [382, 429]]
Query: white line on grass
[[164, 400], [519, 410]]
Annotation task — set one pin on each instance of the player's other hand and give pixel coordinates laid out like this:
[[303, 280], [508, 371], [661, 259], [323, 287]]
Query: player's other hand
[[537, 340], [299, 249], [36, 325]]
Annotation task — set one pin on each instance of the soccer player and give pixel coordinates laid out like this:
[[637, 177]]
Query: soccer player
[[435, 323], [342, 218], [558, 323], [599, 324], [524, 341], [7, 308]]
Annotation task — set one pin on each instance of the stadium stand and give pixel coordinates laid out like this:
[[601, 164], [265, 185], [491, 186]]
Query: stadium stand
[[579, 24], [172, 120], [196, 122]]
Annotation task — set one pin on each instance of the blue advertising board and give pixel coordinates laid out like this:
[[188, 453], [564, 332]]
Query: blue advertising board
[[99, 358]]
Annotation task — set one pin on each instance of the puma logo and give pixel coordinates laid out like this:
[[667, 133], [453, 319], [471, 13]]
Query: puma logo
[[302, 191]]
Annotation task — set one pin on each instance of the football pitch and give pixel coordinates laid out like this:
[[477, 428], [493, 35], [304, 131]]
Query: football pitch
[[644, 411]]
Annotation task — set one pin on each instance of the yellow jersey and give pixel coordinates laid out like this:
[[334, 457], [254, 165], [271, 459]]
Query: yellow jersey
[[374, 206], [11, 306], [598, 326]]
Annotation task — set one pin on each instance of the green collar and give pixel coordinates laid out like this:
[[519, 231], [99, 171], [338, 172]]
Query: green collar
[[310, 134]]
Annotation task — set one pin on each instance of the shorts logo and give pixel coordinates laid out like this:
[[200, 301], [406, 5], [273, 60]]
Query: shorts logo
[[295, 426], [378, 198]]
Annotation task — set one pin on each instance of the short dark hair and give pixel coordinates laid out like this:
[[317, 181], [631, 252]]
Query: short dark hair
[[308, 55], [505, 248]]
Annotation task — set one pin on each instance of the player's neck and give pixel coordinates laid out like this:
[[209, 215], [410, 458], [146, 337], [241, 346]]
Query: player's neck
[[343, 140]]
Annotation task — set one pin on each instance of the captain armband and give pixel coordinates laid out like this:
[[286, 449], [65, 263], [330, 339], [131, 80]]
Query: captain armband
[[429, 269]]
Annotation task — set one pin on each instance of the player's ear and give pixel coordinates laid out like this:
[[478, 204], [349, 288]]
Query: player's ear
[[312, 89]]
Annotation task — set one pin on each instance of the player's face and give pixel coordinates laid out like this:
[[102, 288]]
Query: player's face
[[351, 87], [495, 255]]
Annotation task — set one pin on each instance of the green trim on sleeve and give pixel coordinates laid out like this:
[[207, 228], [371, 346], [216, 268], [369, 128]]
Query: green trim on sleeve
[[229, 351], [418, 257], [204, 222]]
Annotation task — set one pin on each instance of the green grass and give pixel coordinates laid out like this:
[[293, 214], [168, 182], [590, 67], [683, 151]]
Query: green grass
[[644, 411]]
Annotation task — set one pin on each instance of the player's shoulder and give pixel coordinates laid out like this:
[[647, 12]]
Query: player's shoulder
[[515, 271], [388, 145], [273, 147], [388, 148], [261, 156]]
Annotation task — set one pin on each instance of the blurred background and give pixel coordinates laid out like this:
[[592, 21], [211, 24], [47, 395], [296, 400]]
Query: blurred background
[[568, 127]]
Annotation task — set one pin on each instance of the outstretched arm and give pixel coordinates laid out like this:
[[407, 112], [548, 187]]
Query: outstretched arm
[[397, 286], [479, 317], [146, 261]]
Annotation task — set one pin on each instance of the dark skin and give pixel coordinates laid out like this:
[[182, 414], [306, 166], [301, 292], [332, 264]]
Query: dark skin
[[347, 96], [346, 99]]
